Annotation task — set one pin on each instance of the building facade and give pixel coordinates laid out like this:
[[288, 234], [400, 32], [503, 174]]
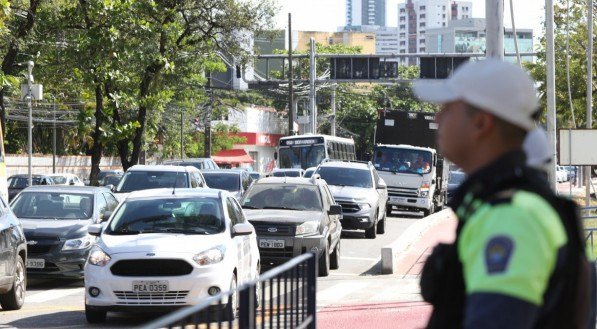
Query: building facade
[[365, 12], [365, 40], [468, 36]]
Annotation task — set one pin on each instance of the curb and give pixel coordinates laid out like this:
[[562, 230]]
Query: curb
[[393, 253]]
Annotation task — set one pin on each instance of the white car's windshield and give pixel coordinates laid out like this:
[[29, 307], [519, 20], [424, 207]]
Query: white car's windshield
[[53, 205], [168, 215], [144, 180], [283, 196]]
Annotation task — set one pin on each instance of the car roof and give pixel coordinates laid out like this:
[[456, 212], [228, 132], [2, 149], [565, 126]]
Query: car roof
[[179, 192], [346, 164], [62, 188], [222, 171], [287, 169], [25, 175], [162, 168], [288, 180]]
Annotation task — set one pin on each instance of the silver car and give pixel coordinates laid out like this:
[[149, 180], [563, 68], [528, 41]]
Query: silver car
[[362, 194]]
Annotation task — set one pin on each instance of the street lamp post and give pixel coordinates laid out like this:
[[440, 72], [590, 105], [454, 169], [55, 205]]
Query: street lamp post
[[30, 121]]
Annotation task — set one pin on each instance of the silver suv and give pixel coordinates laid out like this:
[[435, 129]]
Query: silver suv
[[360, 191]]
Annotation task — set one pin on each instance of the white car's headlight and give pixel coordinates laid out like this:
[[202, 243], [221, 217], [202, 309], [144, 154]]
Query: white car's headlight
[[364, 206], [211, 256], [309, 227], [79, 243], [98, 257]]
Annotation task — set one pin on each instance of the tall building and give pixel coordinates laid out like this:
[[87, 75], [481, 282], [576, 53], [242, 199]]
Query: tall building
[[386, 41], [416, 17], [468, 36], [365, 12]]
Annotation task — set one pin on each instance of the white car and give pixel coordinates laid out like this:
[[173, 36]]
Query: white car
[[66, 179], [561, 174], [163, 250]]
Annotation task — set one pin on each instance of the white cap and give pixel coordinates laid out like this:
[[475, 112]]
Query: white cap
[[500, 88], [536, 148]]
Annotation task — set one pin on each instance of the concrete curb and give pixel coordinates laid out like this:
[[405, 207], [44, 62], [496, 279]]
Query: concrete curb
[[393, 253]]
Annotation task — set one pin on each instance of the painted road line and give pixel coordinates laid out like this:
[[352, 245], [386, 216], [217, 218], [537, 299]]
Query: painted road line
[[53, 294]]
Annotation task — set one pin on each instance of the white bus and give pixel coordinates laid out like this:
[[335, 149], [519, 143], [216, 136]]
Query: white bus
[[304, 151]]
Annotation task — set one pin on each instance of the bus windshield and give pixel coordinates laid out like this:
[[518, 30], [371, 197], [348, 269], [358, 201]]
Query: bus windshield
[[403, 160], [301, 156]]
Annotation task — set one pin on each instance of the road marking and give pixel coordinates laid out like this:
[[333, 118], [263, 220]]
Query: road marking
[[361, 258], [53, 294]]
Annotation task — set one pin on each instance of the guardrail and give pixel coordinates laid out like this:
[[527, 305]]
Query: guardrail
[[285, 294]]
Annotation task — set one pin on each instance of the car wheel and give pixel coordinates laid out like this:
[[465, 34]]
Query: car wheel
[[15, 298], [231, 310], [381, 225], [335, 257], [388, 210], [324, 261], [429, 211], [94, 316]]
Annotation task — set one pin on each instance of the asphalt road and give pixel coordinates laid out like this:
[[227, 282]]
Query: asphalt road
[[60, 304]]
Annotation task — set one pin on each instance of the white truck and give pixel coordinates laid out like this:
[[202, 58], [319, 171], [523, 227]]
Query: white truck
[[407, 160]]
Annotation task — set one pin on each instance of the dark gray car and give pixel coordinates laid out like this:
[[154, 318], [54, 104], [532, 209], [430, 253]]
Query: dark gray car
[[55, 220], [234, 181], [13, 255], [293, 216]]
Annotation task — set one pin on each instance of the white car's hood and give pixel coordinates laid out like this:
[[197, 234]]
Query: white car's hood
[[160, 242], [281, 216]]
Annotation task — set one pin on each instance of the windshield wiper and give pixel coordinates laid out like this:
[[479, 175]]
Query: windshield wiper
[[177, 230], [283, 208], [123, 232]]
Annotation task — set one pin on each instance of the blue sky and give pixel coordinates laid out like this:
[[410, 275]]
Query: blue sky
[[328, 15]]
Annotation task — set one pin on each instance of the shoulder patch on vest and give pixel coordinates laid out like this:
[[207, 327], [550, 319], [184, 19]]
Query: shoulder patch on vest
[[502, 197], [498, 252]]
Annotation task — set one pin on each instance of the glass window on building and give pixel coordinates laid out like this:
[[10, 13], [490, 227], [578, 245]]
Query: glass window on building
[[421, 24], [422, 16], [421, 7]]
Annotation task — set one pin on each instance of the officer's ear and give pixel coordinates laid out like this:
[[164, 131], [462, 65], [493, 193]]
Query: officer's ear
[[484, 124]]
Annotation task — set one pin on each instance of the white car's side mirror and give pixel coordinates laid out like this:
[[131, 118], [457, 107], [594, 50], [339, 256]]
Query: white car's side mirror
[[242, 229], [95, 229]]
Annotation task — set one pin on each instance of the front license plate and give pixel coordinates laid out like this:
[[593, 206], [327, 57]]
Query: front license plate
[[36, 263], [150, 286], [271, 243]]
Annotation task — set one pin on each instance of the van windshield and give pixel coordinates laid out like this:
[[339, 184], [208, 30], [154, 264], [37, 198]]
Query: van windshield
[[144, 180]]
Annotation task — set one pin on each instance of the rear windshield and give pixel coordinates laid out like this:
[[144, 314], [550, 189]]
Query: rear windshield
[[283, 196], [222, 181], [197, 215], [346, 176], [287, 173], [59, 179], [52, 205], [143, 180], [22, 182]]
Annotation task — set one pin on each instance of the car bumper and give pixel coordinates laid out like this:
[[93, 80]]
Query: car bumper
[[360, 220], [116, 292], [410, 203], [62, 264], [293, 246]]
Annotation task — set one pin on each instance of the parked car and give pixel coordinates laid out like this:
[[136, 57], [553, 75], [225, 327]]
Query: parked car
[[144, 177], [255, 175], [561, 174], [111, 180], [293, 216], [287, 172], [360, 191], [66, 179], [233, 181], [455, 178], [162, 249], [309, 172], [55, 221], [13, 257], [199, 163], [17, 183], [102, 174]]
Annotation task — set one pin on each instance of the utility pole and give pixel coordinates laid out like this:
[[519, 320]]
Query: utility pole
[[588, 181], [207, 144], [181, 134], [290, 80], [30, 121], [494, 17], [550, 87], [333, 121], [312, 107], [53, 134]]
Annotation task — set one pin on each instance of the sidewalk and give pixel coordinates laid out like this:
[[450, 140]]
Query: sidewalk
[[399, 313]]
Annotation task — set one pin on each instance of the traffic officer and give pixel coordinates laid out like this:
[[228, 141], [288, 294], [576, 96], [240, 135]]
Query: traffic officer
[[519, 260]]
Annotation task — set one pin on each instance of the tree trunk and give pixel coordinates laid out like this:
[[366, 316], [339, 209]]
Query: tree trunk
[[98, 148]]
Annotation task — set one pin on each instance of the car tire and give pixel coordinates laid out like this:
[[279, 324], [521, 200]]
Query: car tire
[[371, 233], [388, 210], [15, 298], [335, 257], [94, 316], [429, 211], [324, 261], [231, 309], [381, 225]]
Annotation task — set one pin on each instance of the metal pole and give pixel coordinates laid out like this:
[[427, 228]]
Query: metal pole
[[290, 80], [494, 17], [589, 95], [333, 121], [30, 121], [515, 34], [312, 86], [54, 135], [181, 134], [551, 87]]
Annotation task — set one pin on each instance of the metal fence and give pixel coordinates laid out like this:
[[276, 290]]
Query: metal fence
[[284, 297]]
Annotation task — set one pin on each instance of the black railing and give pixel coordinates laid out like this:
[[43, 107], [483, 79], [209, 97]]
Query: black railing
[[284, 297]]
